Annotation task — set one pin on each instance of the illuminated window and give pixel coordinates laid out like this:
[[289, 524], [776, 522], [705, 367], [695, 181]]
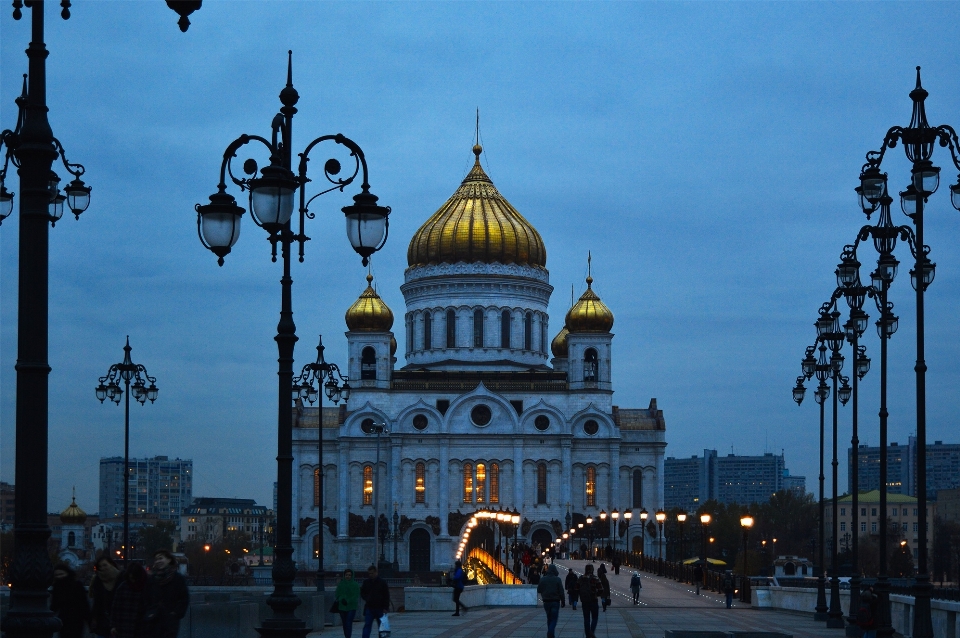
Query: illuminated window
[[494, 483], [367, 484], [316, 487], [451, 329], [420, 487], [427, 331], [477, 328], [505, 329], [481, 482], [467, 483], [591, 486], [541, 483]]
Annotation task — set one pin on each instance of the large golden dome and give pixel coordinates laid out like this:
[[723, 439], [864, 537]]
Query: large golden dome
[[369, 313], [589, 314], [477, 225], [559, 345], [73, 515]]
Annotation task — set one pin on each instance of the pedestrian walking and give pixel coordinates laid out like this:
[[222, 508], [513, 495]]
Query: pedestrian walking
[[102, 588], [867, 614], [616, 564], [605, 600], [130, 601], [551, 592], [590, 592], [534, 577], [347, 597], [698, 576], [728, 587], [601, 569], [570, 583], [69, 601], [376, 598], [459, 579], [169, 598], [635, 586]]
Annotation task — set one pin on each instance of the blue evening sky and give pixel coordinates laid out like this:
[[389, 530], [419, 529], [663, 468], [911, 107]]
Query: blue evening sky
[[706, 153]]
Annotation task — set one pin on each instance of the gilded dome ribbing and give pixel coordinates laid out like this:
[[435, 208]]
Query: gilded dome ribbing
[[477, 225], [369, 313], [589, 314], [73, 515], [559, 345]]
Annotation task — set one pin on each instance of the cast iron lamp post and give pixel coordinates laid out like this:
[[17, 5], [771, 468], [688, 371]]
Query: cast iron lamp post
[[377, 429], [271, 200], [681, 519], [627, 516], [919, 140], [615, 524], [661, 517], [590, 534], [704, 522], [643, 535], [605, 528], [327, 378], [109, 388], [746, 522], [396, 540]]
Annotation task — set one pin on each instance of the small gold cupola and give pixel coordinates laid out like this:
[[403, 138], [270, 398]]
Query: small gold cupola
[[559, 345], [73, 515], [369, 313], [589, 314]]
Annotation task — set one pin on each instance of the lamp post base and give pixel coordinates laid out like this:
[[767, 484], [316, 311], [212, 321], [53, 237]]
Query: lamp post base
[[853, 629], [922, 622], [820, 613], [835, 616]]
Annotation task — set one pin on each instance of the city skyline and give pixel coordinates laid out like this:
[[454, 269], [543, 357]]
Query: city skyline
[[711, 175]]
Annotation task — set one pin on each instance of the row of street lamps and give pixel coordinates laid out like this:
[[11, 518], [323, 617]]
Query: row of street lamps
[[919, 140]]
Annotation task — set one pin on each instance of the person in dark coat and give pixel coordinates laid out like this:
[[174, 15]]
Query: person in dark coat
[[728, 587], [169, 598], [635, 586], [130, 601], [605, 601], [376, 597], [69, 601], [570, 584], [459, 580], [590, 591], [698, 576], [616, 564], [551, 592], [102, 588]]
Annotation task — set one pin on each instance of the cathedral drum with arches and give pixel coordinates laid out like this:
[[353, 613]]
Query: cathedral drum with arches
[[481, 416]]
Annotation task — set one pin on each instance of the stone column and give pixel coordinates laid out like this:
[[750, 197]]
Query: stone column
[[566, 475], [615, 476], [396, 482], [443, 503], [518, 501], [343, 482]]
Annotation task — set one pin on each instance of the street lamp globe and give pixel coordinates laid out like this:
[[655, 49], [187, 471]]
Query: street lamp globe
[[704, 519], [271, 197], [218, 224], [661, 516], [682, 517], [367, 224], [746, 521]]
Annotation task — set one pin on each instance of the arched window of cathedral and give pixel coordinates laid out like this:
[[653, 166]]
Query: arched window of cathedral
[[541, 483], [467, 483], [71, 539], [543, 335], [420, 486], [494, 483], [481, 482], [505, 329], [316, 487], [451, 329], [478, 328], [590, 365], [637, 489], [427, 330], [591, 486], [410, 336], [528, 331], [367, 484], [368, 363]]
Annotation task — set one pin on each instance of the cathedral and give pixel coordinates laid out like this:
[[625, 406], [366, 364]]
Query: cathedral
[[481, 416]]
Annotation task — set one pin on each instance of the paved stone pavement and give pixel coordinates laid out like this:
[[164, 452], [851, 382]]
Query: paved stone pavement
[[665, 604]]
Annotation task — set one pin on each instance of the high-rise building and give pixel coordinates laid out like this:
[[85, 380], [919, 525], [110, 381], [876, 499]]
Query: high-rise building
[[158, 485], [687, 483], [943, 468]]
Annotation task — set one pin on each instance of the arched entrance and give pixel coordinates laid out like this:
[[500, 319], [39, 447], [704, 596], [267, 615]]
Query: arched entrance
[[419, 550], [542, 537], [637, 543]]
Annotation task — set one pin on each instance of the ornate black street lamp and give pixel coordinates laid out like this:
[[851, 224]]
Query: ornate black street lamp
[[272, 197], [590, 533], [327, 378], [746, 522], [661, 517], [821, 368], [705, 519], [919, 140], [378, 429], [109, 388], [628, 517], [615, 524], [681, 519], [643, 531]]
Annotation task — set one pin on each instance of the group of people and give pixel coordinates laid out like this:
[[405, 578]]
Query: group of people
[[122, 604], [375, 594], [591, 591]]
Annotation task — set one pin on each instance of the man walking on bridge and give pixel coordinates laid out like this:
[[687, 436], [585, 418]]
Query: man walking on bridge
[[550, 589]]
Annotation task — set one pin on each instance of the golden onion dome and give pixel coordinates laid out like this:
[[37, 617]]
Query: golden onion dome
[[393, 346], [589, 314], [369, 313], [73, 515], [559, 344], [477, 225]]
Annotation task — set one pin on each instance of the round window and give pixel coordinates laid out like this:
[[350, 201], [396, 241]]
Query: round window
[[591, 427], [420, 422], [480, 415], [542, 422], [367, 426]]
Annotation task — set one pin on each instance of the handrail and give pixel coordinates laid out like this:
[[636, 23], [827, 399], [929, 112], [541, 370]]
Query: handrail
[[497, 568]]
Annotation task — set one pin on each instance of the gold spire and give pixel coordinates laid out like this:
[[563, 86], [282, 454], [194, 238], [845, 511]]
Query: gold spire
[[73, 515], [369, 313], [589, 314], [477, 225]]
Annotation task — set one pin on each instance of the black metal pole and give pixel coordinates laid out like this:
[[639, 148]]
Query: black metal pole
[[821, 608], [320, 574], [126, 470], [853, 629], [882, 587], [835, 619]]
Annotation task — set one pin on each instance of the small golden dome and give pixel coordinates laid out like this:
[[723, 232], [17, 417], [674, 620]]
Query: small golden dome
[[559, 344], [477, 225], [369, 313], [589, 314], [393, 346], [73, 515]]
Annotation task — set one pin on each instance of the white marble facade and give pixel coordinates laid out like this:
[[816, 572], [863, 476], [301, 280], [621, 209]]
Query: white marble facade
[[477, 418]]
